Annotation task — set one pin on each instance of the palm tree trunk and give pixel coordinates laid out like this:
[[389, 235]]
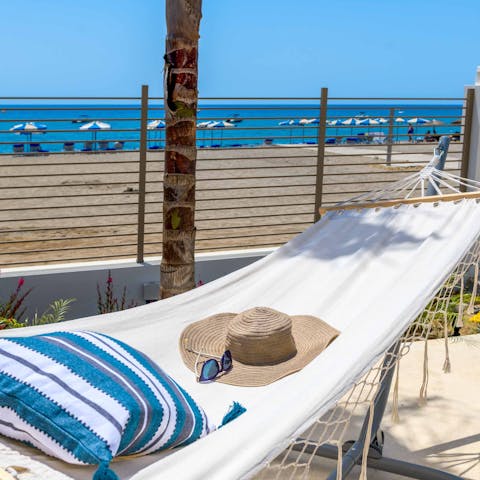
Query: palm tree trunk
[[181, 97]]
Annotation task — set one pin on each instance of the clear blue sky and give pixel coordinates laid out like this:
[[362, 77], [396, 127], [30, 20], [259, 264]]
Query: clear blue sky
[[247, 47]]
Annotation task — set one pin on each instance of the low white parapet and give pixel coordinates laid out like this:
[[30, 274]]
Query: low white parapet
[[79, 280]]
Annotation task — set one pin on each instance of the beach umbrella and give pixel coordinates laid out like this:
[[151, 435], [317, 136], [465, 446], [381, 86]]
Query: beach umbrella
[[398, 120], [310, 121], [351, 122], [303, 122], [289, 123], [435, 123], [382, 120], [156, 125], [29, 128], [418, 121], [457, 121], [220, 124], [334, 123], [94, 127], [204, 124], [368, 121]]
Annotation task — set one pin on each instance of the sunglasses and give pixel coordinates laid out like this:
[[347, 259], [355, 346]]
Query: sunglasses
[[212, 367]]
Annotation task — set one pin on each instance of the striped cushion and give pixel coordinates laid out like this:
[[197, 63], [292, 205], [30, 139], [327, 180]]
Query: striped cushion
[[84, 397]]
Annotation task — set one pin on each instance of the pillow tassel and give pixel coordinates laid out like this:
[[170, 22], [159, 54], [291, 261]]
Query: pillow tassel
[[234, 411], [105, 473]]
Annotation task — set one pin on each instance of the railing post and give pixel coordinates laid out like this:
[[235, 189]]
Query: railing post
[[390, 136], [142, 173], [467, 135], [322, 126]]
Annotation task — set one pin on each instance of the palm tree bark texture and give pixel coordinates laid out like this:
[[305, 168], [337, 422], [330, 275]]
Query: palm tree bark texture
[[181, 98]]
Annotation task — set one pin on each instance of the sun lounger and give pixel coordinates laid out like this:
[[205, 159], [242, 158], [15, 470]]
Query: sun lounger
[[19, 148], [103, 145], [119, 145], [68, 146], [87, 146]]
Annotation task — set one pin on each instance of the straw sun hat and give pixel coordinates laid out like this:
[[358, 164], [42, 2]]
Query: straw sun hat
[[266, 344]]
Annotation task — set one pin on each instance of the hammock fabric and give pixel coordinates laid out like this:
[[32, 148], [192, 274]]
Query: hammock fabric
[[368, 273]]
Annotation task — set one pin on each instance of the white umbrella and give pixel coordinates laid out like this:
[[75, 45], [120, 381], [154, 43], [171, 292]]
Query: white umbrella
[[290, 123], [368, 121], [156, 125], [28, 128], [351, 122], [334, 123], [220, 124], [434, 122], [418, 121], [203, 125], [94, 127], [398, 120]]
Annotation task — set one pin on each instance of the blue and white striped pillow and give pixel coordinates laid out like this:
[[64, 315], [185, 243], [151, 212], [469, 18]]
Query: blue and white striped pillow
[[85, 397]]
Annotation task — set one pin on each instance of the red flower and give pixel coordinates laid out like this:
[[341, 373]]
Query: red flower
[[109, 280], [21, 281]]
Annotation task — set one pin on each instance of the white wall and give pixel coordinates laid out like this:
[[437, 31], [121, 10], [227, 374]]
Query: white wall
[[474, 164], [79, 281]]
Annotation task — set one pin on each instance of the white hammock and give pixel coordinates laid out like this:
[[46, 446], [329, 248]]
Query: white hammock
[[366, 272]]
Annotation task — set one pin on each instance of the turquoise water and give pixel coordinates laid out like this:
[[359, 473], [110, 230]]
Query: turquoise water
[[258, 122]]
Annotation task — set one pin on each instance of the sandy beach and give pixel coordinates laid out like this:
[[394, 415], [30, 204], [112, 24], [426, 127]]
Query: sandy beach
[[74, 207]]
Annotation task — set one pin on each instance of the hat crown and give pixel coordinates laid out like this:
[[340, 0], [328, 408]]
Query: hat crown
[[261, 336]]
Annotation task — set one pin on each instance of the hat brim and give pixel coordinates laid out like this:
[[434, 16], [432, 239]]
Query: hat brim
[[311, 335]]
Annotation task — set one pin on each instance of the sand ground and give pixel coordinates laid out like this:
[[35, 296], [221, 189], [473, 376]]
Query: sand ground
[[74, 207]]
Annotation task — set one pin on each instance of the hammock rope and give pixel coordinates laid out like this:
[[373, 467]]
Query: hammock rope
[[333, 427]]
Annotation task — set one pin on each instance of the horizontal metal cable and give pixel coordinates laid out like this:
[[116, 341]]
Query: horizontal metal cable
[[70, 107], [70, 98], [73, 120], [156, 212], [133, 234], [74, 239], [109, 205], [69, 259], [402, 99], [90, 247], [50, 229], [75, 248]]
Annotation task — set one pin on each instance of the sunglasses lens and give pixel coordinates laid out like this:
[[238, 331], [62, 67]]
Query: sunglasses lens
[[210, 370], [226, 361]]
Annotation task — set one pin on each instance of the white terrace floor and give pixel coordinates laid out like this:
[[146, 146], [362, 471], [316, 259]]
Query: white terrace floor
[[445, 433]]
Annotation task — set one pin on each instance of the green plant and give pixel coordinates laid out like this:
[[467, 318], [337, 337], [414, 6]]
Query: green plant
[[12, 308], [107, 301], [55, 313], [9, 323]]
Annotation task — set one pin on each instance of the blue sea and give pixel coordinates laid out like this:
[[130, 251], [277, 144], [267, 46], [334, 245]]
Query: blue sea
[[254, 123]]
